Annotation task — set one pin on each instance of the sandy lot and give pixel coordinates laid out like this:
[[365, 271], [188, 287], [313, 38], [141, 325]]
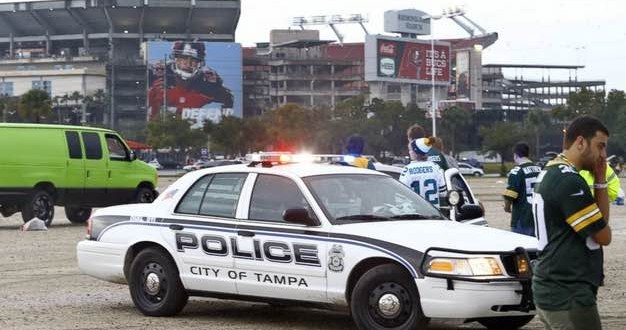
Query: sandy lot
[[42, 288]]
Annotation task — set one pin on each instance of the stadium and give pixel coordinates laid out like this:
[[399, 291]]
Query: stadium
[[89, 45], [104, 62]]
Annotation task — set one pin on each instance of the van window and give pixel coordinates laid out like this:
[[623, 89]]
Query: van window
[[73, 145], [93, 147], [117, 150]]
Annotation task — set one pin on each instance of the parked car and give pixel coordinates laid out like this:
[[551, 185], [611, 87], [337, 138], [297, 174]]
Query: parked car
[[72, 166], [155, 163], [325, 236], [210, 163], [467, 169]]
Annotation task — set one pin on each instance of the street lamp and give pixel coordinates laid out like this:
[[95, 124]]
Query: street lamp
[[432, 70], [450, 13]]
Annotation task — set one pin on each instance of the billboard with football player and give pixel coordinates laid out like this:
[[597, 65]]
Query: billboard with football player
[[200, 81], [406, 60]]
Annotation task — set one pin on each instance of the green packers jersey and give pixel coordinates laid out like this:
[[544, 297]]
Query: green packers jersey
[[435, 156], [568, 270], [519, 190]]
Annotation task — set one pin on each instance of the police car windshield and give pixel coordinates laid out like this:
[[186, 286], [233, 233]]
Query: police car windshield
[[366, 198]]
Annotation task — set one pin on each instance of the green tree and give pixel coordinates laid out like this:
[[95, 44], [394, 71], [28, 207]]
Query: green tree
[[536, 122], [34, 106], [227, 135], [453, 121], [174, 132], [500, 139]]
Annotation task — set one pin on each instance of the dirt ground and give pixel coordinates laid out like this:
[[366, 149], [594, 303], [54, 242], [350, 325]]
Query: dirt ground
[[42, 288]]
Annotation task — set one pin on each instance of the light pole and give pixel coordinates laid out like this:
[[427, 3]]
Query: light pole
[[432, 70]]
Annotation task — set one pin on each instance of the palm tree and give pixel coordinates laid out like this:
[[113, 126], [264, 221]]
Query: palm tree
[[77, 97], [34, 105], [537, 121]]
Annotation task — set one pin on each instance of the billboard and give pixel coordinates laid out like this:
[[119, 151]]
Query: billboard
[[406, 60], [463, 74], [200, 81]]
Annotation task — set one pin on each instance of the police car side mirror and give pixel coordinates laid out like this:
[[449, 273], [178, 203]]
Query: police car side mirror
[[299, 215], [470, 211]]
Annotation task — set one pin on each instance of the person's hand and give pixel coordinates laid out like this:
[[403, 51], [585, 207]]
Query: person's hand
[[599, 170]]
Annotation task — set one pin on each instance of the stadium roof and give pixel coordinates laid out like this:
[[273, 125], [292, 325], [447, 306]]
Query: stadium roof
[[149, 19]]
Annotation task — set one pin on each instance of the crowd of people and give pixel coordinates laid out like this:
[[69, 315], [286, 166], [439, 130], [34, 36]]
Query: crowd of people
[[564, 205]]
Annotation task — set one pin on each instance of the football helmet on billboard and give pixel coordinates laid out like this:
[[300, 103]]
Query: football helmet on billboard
[[188, 58]]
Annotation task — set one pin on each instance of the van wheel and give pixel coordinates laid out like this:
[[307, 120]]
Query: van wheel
[[144, 195], [505, 322], [386, 297], [40, 204], [77, 214], [155, 285]]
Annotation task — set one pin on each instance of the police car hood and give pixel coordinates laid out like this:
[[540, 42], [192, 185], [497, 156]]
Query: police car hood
[[423, 234]]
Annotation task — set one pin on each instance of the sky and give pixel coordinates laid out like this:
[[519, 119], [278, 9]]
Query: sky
[[565, 32]]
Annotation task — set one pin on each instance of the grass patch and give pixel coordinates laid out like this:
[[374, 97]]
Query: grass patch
[[495, 168]]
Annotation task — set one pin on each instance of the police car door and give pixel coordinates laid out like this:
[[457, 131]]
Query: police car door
[[276, 258], [200, 230]]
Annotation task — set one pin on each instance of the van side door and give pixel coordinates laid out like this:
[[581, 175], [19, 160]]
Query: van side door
[[122, 180], [95, 170], [75, 169]]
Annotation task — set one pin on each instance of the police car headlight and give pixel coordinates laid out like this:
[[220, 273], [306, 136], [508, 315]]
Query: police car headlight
[[454, 197], [465, 267]]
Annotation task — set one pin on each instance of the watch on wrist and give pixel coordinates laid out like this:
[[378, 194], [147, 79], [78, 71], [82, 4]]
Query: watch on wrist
[[600, 185]]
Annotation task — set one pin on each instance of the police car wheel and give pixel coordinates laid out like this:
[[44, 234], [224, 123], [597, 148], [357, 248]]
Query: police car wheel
[[505, 322], [385, 297], [155, 285], [39, 205]]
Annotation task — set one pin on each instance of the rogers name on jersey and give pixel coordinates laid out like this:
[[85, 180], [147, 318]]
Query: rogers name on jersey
[[313, 234]]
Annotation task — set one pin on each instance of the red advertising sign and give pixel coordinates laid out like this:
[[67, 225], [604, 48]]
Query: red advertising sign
[[413, 60]]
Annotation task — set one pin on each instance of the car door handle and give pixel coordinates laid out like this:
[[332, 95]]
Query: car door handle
[[176, 227], [109, 174], [87, 173], [245, 233]]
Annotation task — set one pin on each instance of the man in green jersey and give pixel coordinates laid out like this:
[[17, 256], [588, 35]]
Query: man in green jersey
[[571, 227], [519, 191]]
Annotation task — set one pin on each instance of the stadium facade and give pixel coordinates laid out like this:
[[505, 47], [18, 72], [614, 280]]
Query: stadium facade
[[86, 45]]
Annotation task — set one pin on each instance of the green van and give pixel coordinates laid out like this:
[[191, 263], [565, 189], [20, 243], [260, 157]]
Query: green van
[[72, 166]]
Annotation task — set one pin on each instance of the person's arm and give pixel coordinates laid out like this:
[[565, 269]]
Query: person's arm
[[601, 196], [511, 193], [507, 205]]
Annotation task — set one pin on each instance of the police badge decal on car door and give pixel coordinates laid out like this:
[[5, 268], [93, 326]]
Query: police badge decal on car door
[[335, 258]]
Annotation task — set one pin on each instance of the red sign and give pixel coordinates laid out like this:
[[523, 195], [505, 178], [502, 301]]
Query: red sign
[[413, 60]]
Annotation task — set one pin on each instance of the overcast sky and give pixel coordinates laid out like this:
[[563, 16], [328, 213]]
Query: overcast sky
[[571, 32]]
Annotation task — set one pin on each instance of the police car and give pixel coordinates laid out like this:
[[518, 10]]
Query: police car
[[329, 236]]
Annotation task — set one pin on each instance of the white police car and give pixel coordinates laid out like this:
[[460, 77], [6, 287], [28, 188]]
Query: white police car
[[332, 236]]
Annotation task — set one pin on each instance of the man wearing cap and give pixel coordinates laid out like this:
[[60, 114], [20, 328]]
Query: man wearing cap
[[422, 175], [354, 157]]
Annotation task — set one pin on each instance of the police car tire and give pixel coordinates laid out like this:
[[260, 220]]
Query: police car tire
[[77, 214], [169, 296], [374, 285], [506, 322], [39, 204]]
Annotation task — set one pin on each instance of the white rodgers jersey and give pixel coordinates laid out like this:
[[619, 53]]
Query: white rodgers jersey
[[426, 179]]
